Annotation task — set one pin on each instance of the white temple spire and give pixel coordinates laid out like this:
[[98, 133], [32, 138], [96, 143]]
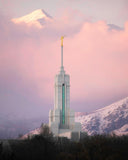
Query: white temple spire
[[62, 67], [62, 118]]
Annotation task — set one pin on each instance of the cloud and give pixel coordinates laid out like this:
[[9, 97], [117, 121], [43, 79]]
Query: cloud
[[73, 16], [99, 62], [94, 56]]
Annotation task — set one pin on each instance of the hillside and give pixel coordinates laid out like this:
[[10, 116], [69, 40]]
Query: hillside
[[112, 118]]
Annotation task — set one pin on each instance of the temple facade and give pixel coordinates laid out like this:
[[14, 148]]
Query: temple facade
[[62, 117]]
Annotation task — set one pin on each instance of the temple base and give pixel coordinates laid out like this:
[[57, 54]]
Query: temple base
[[71, 131]]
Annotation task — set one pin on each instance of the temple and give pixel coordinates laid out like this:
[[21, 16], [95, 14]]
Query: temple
[[62, 118]]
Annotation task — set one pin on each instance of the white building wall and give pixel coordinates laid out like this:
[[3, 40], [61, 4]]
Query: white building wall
[[55, 116]]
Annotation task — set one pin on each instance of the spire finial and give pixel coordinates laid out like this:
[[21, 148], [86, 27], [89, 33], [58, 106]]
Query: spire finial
[[62, 37], [62, 67]]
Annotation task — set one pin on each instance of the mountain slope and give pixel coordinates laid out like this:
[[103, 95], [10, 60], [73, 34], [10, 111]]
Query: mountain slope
[[37, 18], [122, 131], [106, 120], [110, 119]]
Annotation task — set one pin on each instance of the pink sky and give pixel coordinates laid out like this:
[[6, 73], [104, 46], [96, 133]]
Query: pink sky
[[94, 56]]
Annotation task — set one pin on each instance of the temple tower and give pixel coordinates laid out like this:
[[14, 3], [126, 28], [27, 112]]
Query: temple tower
[[61, 118]]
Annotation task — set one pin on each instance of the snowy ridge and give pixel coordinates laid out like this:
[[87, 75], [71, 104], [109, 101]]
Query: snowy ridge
[[37, 18], [77, 114], [121, 131], [34, 132], [107, 119], [110, 119]]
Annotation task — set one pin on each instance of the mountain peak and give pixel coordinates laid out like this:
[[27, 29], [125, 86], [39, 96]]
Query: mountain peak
[[112, 118], [37, 18], [43, 11]]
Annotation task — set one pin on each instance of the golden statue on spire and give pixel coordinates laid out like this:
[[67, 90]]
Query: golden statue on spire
[[62, 40]]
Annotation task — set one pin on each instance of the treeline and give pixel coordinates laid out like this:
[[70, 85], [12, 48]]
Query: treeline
[[45, 147]]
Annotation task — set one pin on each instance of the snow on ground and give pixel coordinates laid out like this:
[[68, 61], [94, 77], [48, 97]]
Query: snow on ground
[[34, 132], [122, 131], [105, 119]]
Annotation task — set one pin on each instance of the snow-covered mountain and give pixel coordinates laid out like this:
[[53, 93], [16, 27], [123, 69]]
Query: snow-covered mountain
[[31, 133], [37, 18], [113, 118], [110, 119]]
